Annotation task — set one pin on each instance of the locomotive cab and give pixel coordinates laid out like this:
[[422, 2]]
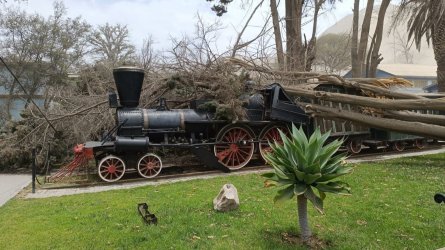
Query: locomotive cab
[[279, 106]]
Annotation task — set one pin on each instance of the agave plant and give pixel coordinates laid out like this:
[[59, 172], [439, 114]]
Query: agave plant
[[303, 166]]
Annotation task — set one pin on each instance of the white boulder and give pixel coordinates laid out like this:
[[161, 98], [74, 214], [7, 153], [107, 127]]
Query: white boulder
[[227, 199]]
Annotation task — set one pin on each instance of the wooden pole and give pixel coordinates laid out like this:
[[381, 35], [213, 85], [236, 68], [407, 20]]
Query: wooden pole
[[389, 104], [414, 128]]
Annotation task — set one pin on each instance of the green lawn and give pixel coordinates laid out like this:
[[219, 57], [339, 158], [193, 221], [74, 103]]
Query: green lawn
[[391, 207]]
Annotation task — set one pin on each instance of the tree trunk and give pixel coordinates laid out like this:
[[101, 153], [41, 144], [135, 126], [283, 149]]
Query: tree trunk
[[10, 100], [299, 48], [354, 41], [364, 37], [378, 34], [277, 34], [310, 50], [294, 46], [388, 104], [290, 36], [438, 35], [413, 128], [303, 221], [416, 117]]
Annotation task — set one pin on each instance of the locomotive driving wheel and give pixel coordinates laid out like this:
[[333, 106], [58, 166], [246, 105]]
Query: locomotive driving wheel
[[270, 134], [149, 165], [111, 168], [234, 147]]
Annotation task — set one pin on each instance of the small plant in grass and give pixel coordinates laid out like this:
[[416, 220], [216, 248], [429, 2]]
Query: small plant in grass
[[303, 165]]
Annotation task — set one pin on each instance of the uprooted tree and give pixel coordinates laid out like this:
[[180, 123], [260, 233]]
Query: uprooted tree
[[378, 106]]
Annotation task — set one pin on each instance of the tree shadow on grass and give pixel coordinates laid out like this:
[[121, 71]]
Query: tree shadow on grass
[[289, 238]]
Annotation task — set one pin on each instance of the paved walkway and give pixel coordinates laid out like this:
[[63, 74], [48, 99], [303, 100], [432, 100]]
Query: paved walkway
[[43, 193], [11, 185], [396, 155]]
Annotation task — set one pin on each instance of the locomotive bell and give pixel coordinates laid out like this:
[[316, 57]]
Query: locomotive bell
[[128, 82]]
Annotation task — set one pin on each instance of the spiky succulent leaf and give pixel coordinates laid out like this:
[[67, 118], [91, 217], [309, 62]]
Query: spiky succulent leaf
[[315, 200], [299, 155], [328, 152], [299, 135], [300, 188], [285, 193], [334, 163], [322, 195], [269, 175], [311, 178], [336, 187], [341, 170]]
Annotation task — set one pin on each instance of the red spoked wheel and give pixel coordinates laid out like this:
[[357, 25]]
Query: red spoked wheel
[[420, 143], [270, 134], [354, 146], [149, 165], [398, 146], [111, 168], [234, 147]]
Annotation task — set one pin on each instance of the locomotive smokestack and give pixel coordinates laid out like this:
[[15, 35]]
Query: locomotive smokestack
[[128, 84]]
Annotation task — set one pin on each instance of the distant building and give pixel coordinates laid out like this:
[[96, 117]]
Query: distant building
[[394, 48], [420, 75]]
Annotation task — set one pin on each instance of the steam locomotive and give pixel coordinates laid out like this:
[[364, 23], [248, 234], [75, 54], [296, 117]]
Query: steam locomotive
[[140, 133]]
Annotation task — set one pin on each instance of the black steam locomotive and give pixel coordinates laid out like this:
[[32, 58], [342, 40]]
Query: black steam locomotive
[[140, 133]]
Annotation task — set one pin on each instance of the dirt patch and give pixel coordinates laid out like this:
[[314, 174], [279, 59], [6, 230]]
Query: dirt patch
[[313, 243]]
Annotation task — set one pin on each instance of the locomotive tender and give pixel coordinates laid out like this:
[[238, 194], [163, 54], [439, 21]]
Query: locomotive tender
[[139, 134]]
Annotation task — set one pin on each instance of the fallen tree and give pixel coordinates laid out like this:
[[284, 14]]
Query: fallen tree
[[391, 104], [416, 128], [378, 106]]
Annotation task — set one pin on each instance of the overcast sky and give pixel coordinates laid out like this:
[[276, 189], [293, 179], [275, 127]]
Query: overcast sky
[[172, 18]]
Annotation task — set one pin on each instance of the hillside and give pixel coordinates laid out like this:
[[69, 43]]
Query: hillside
[[394, 47]]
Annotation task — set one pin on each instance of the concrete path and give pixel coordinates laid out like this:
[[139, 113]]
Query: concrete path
[[43, 193], [396, 155], [11, 185]]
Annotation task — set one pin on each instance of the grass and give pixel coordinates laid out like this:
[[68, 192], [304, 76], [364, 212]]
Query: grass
[[391, 208]]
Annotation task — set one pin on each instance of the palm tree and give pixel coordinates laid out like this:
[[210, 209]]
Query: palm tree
[[302, 165], [427, 18]]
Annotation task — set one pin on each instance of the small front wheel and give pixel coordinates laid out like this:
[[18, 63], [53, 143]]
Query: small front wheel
[[149, 165], [111, 168]]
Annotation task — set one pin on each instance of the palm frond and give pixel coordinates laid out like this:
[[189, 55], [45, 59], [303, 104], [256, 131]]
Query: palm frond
[[423, 16]]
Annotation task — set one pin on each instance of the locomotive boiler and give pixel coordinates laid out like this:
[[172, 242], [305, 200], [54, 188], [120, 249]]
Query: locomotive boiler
[[139, 134]]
